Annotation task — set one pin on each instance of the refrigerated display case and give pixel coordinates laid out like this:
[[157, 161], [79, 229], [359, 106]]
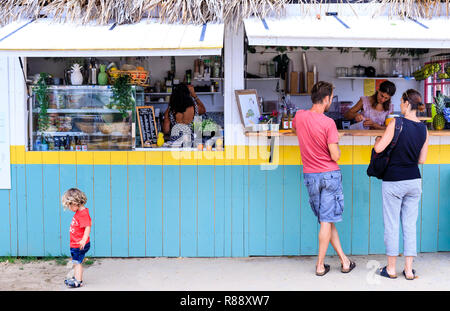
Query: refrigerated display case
[[83, 118]]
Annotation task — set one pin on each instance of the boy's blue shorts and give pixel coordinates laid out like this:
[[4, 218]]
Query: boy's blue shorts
[[78, 254]]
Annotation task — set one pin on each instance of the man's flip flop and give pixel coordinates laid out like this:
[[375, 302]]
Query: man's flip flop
[[352, 266], [383, 272], [327, 268], [414, 273]]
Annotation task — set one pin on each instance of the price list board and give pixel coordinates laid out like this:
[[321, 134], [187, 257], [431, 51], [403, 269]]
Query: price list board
[[147, 125]]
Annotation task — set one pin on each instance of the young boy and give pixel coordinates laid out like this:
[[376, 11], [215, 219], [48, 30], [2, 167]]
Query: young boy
[[80, 228]]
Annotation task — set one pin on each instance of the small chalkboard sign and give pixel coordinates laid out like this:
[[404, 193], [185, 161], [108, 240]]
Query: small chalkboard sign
[[147, 125]]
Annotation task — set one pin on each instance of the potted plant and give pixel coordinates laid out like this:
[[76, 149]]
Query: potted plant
[[123, 100], [41, 94]]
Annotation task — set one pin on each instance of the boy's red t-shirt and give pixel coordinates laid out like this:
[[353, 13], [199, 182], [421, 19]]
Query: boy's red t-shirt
[[80, 221]]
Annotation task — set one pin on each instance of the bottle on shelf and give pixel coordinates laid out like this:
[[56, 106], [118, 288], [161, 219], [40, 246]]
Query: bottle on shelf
[[77, 143], [37, 143], [72, 144], [285, 119], [67, 143], [44, 144], [216, 67], [172, 64], [84, 146], [56, 143], [62, 143], [290, 117], [51, 143]]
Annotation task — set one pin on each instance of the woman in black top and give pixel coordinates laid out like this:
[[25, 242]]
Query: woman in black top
[[184, 105], [402, 183]]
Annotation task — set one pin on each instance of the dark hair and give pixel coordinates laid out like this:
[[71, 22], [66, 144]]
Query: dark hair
[[414, 98], [386, 87], [180, 99], [320, 90]]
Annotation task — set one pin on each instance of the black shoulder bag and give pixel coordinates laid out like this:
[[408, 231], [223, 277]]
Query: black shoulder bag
[[380, 161]]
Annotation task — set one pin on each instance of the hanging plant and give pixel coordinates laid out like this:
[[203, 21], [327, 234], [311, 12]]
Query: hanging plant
[[41, 95], [370, 52], [122, 97], [409, 52]]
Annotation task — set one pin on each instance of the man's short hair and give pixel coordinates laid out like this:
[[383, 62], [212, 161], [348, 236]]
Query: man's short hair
[[320, 90]]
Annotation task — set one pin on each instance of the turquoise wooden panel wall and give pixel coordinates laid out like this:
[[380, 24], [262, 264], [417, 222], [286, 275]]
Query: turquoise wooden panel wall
[[203, 211]]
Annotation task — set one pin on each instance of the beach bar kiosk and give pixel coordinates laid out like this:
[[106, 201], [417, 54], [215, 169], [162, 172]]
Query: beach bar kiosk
[[241, 197]]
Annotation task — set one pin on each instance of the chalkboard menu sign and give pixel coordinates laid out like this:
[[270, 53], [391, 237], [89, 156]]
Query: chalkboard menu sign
[[147, 125]]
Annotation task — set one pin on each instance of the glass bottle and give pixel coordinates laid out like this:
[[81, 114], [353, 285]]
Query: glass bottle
[[37, 143], [62, 143], [51, 143], [84, 146], [77, 143], [72, 144], [216, 71], [44, 144]]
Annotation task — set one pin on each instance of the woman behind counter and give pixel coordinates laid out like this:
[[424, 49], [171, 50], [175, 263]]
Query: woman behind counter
[[184, 104], [373, 110]]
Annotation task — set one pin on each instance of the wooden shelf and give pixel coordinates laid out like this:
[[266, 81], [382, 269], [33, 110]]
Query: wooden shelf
[[344, 132], [377, 78]]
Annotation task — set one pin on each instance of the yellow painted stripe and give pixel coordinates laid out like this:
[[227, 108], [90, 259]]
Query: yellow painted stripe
[[85, 157], [34, 157], [444, 154], [50, 157], [347, 155], [154, 157], [102, 158], [232, 155], [433, 154], [136, 157], [67, 157], [361, 154], [119, 158]]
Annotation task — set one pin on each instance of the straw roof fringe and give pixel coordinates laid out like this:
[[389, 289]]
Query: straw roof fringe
[[190, 11], [131, 11]]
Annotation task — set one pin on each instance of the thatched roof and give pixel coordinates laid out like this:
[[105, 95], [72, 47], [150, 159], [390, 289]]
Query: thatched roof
[[132, 11], [188, 11]]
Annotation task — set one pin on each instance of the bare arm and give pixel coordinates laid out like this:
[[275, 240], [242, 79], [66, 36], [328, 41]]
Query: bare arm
[[335, 152], [386, 139], [424, 151], [87, 231], [201, 107], [166, 122], [354, 111]]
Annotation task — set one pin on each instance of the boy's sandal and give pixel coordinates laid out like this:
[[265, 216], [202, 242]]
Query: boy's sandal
[[327, 268], [350, 268], [414, 275], [383, 272], [73, 283]]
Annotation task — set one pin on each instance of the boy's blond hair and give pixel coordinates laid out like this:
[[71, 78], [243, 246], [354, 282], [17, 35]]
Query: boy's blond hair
[[74, 196]]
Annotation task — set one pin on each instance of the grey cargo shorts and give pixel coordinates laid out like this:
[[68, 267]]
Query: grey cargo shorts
[[325, 195]]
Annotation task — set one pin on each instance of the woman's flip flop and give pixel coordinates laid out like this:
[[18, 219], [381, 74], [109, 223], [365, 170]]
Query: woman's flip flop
[[414, 275], [383, 272], [352, 266], [327, 268]]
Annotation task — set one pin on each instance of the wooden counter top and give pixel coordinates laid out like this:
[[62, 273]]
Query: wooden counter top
[[345, 132]]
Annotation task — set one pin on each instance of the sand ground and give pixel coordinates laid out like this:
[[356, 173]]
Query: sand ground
[[253, 273]]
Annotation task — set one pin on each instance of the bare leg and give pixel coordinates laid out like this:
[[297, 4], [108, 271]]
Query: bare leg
[[324, 240], [391, 265], [408, 266], [78, 272], [336, 243]]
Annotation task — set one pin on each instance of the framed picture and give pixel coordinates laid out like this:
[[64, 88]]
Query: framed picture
[[249, 107]]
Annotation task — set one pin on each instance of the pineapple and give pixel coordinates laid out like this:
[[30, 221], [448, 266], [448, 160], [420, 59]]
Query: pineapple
[[439, 119]]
